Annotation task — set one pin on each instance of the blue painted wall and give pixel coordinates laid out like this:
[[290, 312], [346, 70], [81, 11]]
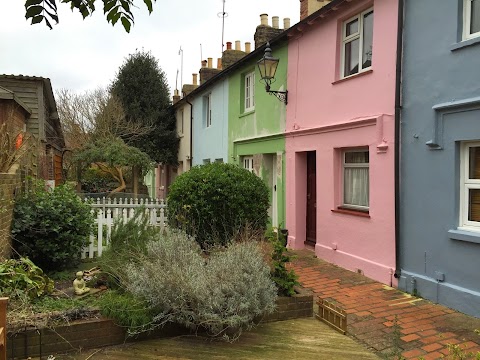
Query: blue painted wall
[[440, 109], [211, 142]]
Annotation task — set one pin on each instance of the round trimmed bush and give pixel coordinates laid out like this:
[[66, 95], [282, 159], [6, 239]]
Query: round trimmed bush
[[214, 202], [51, 226]]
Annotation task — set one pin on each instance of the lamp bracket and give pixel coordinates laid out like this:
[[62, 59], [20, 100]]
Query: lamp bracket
[[280, 95]]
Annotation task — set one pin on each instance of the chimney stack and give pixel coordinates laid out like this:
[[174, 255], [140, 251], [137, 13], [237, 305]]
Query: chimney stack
[[194, 79], [264, 19], [264, 32], [275, 20], [176, 96], [308, 7], [286, 23], [248, 47]]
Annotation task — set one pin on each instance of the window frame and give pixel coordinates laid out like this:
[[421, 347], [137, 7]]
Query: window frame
[[465, 185], [249, 77], [355, 165], [347, 39], [467, 21], [249, 159], [208, 110]]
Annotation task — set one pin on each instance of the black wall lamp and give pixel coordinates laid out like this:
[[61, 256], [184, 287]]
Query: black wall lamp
[[268, 66]]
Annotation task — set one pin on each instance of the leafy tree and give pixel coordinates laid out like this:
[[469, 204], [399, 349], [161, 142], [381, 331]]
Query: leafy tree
[[114, 10], [93, 116], [112, 156], [142, 88]]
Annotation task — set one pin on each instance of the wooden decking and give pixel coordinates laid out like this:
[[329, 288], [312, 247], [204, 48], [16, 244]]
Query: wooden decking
[[293, 339]]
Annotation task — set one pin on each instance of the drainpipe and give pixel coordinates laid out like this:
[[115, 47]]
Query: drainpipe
[[191, 131], [398, 108]]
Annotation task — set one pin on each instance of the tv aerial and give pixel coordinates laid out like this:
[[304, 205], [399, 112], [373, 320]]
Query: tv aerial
[[223, 15]]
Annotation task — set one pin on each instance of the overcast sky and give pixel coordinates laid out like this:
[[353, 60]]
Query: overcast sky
[[85, 54]]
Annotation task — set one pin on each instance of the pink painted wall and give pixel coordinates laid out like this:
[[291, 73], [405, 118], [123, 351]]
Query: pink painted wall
[[326, 116]]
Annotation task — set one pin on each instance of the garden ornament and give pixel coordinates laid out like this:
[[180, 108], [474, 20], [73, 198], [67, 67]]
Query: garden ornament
[[79, 284]]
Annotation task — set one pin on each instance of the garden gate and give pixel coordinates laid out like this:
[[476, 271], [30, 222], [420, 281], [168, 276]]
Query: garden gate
[[107, 211]]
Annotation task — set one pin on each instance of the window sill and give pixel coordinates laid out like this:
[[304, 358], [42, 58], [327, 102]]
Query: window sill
[[360, 74], [246, 113], [464, 235], [465, 43], [353, 212]]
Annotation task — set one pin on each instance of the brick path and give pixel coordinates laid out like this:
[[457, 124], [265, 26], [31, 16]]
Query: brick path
[[385, 319]]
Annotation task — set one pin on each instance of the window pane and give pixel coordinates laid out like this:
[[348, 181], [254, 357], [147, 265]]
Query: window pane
[[351, 57], [356, 186], [367, 40], [475, 17], [474, 162], [355, 157], [351, 28], [474, 204]]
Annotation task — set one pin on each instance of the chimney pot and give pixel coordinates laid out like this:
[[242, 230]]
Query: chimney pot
[[194, 79], [229, 45], [264, 19], [275, 21], [204, 63], [248, 47], [286, 23], [219, 63], [237, 45], [210, 62]]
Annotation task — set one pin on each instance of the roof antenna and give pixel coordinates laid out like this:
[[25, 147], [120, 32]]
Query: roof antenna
[[223, 15]]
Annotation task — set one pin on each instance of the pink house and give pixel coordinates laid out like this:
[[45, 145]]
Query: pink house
[[340, 135]]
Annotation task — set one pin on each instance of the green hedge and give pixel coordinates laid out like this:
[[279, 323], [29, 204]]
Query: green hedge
[[213, 202]]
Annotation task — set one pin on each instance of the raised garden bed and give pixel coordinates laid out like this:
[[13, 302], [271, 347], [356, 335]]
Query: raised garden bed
[[99, 332]]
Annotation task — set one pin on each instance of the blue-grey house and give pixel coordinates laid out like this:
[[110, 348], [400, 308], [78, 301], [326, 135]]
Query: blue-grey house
[[439, 203], [210, 117]]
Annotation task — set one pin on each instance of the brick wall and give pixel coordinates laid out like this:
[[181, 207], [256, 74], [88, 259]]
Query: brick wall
[[303, 9], [9, 183], [297, 306]]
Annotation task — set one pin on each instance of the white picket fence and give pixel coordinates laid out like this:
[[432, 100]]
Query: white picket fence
[[107, 211]]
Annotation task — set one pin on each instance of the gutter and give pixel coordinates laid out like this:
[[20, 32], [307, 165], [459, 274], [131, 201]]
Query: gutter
[[398, 109]]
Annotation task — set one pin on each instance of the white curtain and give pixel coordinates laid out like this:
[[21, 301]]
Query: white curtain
[[356, 186]]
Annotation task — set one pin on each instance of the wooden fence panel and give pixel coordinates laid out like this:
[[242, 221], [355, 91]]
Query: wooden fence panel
[[332, 315]]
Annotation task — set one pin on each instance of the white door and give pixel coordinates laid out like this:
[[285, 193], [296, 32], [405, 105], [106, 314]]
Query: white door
[[274, 191]]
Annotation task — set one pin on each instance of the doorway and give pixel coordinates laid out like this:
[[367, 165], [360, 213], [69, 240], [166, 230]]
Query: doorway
[[311, 220]]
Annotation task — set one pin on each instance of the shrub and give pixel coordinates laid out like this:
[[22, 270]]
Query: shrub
[[284, 279], [96, 181], [22, 277], [212, 202], [127, 238], [126, 310], [222, 294], [51, 226]]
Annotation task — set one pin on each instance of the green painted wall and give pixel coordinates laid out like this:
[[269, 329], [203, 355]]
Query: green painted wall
[[260, 133]]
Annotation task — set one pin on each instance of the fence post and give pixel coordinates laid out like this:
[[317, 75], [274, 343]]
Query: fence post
[[3, 328]]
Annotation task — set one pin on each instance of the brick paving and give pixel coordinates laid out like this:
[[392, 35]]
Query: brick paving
[[385, 319]]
